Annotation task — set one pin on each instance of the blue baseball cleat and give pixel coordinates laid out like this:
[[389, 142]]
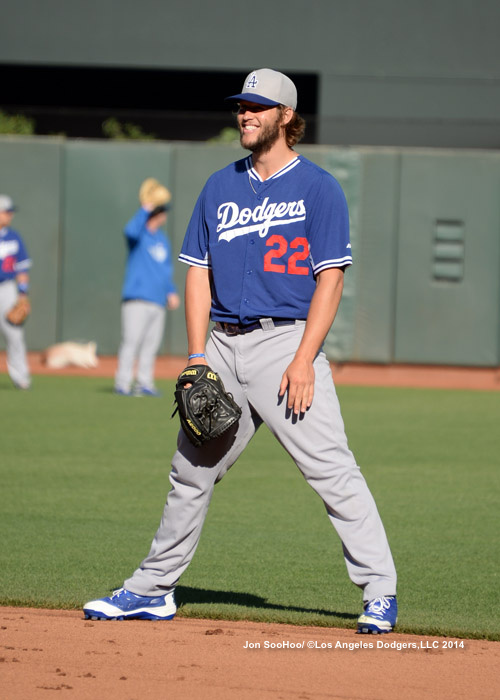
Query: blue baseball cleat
[[144, 391], [379, 616], [121, 392], [125, 605]]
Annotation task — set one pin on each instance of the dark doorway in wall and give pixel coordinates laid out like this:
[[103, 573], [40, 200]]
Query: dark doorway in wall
[[169, 104]]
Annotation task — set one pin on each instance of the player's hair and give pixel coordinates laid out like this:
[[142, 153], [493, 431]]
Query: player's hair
[[294, 130]]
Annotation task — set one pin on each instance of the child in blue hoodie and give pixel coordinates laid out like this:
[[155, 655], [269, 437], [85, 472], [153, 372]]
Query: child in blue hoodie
[[148, 290]]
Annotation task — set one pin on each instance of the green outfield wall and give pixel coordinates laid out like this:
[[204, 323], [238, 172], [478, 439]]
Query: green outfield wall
[[425, 227]]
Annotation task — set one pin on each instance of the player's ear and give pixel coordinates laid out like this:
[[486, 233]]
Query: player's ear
[[286, 115]]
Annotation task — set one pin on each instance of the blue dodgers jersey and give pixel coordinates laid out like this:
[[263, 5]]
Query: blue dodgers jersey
[[266, 241], [149, 270], [13, 255]]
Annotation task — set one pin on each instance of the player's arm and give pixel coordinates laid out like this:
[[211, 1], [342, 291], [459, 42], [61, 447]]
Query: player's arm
[[298, 378], [198, 299], [22, 266], [135, 226]]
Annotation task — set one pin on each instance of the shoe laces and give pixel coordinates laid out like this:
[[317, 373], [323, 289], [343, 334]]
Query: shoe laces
[[378, 605], [120, 591]]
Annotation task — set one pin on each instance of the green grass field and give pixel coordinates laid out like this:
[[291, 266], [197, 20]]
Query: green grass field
[[84, 476]]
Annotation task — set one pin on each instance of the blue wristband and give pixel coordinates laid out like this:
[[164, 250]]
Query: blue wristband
[[196, 354], [23, 287]]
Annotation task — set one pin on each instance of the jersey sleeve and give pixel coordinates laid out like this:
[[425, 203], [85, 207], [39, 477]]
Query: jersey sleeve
[[135, 226], [194, 249], [328, 226]]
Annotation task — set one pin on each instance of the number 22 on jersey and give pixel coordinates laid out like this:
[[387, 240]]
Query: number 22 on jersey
[[274, 259]]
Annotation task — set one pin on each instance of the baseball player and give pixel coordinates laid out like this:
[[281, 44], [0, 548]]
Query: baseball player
[[14, 283], [267, 247], [147, 289]]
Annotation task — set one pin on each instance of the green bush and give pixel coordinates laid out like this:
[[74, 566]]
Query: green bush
[[113, 129], [16, 124]]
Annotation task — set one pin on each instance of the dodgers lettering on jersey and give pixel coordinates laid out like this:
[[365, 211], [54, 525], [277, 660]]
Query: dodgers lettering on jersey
[[266, 241], [13, 255], [263, 217]]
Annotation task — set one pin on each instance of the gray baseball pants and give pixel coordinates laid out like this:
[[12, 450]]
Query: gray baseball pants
[[17, 364], [251, 367], [142, 331]]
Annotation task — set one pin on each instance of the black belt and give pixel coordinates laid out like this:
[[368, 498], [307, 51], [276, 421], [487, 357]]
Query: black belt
[[264, 323]]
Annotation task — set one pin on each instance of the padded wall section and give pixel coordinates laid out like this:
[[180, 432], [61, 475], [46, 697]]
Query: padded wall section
[[447, 306]]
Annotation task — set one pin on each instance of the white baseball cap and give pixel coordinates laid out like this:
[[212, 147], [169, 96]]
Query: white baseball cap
[[268, 87], [6, 203]]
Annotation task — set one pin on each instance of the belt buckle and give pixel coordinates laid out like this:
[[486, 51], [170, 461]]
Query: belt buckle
[[267, 324]]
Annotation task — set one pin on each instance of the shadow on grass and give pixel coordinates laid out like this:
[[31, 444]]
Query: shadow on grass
[[185, 595]]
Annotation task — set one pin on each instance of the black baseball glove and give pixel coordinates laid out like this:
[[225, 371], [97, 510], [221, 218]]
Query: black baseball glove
[[206, 409]]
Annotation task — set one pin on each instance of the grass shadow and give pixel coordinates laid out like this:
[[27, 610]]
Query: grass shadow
[[187, 594]]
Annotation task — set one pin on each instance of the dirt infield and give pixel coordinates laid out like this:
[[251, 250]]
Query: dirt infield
[[55, 654], [486, 379]]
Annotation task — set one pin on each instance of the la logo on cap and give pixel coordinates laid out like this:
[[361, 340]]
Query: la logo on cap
[[252, 82]]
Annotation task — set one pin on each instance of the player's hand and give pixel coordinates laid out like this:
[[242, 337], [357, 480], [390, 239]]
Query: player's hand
[[195, 361], [173, 301], [298, 379]]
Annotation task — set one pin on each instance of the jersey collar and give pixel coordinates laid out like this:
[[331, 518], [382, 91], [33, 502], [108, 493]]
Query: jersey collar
[[285, 169]]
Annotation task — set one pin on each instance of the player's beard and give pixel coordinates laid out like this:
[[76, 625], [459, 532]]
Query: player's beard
[[267, 137]]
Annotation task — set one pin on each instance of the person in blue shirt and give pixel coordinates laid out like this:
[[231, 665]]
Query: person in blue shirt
[[148, 290], [14, 281]]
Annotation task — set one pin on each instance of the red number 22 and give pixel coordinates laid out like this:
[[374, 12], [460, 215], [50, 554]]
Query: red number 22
[[280, 247]]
